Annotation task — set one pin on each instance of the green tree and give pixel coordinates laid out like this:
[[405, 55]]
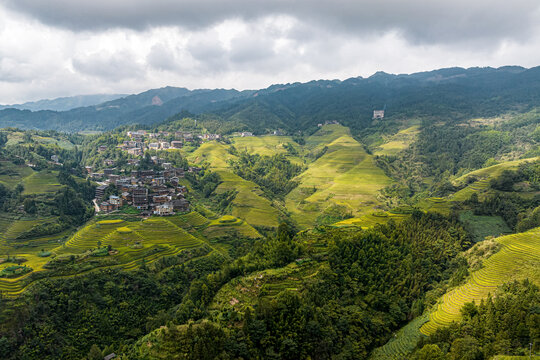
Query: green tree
[[30, 206], [95, 353], [466, 348], [429, 352]]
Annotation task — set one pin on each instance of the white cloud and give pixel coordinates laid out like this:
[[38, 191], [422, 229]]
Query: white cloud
[[245, 48]]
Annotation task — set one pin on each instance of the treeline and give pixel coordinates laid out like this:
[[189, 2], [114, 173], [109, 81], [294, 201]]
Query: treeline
[[504, 324]]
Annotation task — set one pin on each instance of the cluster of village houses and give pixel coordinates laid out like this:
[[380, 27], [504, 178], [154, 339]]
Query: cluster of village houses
[[142, 140], [152, 192]]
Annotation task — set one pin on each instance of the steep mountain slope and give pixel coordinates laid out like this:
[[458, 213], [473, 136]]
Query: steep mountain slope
[[447, 94]]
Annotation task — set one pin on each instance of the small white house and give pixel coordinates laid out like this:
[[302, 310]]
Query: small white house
[[164, 209]]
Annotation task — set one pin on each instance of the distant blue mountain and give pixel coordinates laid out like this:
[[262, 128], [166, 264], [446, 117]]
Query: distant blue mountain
[[64, 103]]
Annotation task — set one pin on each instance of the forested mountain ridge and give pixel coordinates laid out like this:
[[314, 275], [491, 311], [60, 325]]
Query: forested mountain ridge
[[445, 94]]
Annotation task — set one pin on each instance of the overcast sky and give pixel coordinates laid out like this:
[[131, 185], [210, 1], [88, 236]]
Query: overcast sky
[[58, 48]]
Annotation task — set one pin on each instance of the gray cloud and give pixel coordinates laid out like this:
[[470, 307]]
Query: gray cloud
[[162, 57], [60, 48], [419, 21], [113, 67]]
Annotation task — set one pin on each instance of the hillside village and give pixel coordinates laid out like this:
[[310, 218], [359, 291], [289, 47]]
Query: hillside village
[[152, 192], [142, 140]]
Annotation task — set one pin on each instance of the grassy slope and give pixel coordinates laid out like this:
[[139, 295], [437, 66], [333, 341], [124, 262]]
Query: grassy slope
[[370, 220], [482, 226], [344, 175], [263, 145], [480, 186], [403, 342], [246, 290]]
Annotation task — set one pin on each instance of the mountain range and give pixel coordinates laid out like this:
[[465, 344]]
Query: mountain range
[[64, 103], [446, 93]]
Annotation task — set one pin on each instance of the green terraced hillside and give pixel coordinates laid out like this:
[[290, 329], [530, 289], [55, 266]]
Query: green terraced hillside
[[245, 291], [264, 145], [249, 204], [213, 153], [393, 144], [11, 174], [518, 258], [370, 220], [41, 182], [345, 175], [131, 240]]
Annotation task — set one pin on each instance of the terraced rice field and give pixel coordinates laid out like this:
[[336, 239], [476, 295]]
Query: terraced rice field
[[518, 258], [124, 235], [264, 145], [326, 135], [194, 219], [402, 343], [476, 187], [11, 175], [150, 240], [212, 152], [370, 220], [249, 203], [436, 204], [345, 175], [41, 182], [11, 228], [495, 170], [219, 230], [245, 291]]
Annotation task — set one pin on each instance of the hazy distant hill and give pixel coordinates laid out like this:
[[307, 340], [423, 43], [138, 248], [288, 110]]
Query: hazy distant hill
[[141, 108], [64, 103]]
